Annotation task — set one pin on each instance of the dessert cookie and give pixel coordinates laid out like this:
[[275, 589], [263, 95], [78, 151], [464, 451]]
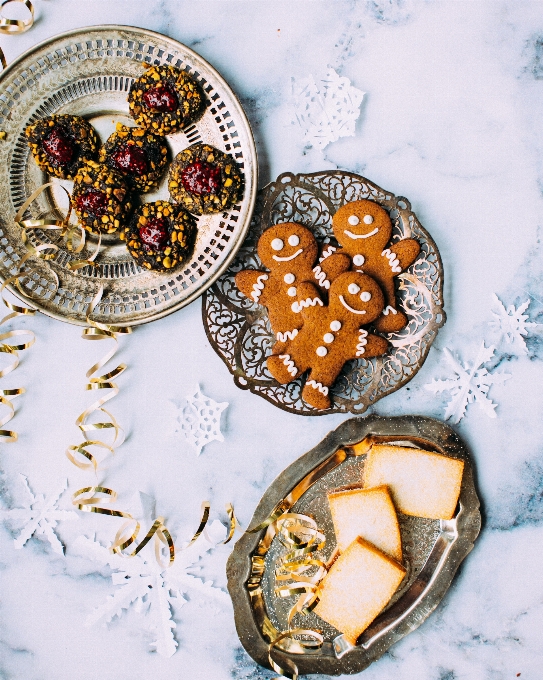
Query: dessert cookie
[[139, 155], [205, 180], [363, 229], [331, 335], [165, 100], [160, 235], [101, 198], [61, 144], [289, 251]]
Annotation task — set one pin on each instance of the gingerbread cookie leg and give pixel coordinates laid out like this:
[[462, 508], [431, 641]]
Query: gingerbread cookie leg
[[316, 391], [283, 368]]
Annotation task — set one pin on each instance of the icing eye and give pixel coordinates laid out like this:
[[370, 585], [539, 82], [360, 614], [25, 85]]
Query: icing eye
[[277, 244], [335, 326], [291, 292], [358, 260], [353, 219], [353, 288], [289, 278], [293, 240], [365, 296], [368, 219]]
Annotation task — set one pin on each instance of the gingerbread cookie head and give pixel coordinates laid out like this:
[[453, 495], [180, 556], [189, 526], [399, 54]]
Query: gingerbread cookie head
[[356, 298], [362, 224], [287, 247]]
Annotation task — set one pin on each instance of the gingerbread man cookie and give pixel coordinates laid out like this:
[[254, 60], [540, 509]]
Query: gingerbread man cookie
[[363, 229], [331, 335], [289, 251]]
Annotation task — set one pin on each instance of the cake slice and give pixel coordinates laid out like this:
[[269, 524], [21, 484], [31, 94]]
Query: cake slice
[[358, 586], [421, 483], [368, 513]]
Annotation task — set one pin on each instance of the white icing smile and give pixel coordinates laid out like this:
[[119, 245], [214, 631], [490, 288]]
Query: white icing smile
[[355, 236], [286, 259], [354, 311]]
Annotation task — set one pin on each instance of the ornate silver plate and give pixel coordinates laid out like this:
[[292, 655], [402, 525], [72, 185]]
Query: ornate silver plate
[[433, 549], [88, 72], [238, 328]]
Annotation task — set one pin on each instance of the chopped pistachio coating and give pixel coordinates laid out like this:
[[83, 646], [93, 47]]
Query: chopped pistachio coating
[[139, 155], [160, 235], [205, 180], [101, 198], [62, 144], [165, 100]]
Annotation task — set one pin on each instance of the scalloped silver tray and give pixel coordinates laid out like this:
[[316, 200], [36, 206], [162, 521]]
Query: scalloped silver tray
[[238, 328], [88, 72], [433, 549]]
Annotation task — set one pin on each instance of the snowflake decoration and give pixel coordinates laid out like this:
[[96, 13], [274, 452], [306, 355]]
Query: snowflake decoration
[[40, 516], [326, 109], [153, 590], [470, 384], [201, 422], [512, 323]]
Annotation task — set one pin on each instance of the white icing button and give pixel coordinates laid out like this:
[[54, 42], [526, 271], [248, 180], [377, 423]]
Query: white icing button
[[291, 292], [358, 260], [289, 278], [328, 337], [368, 219], [353, 219], [335, 325], [353, 288], [277, 244], [321, 351], [365, 296], [293, 240]]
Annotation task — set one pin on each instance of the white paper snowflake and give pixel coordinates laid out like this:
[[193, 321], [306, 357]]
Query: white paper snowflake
[[470, 384], [511, 323], [153, 590], [40, 516], [326, 108], [201, 420]]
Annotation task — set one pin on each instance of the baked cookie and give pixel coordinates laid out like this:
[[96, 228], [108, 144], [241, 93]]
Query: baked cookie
[[61, 144], [101, 198], [160, 235], [363, 229], [289, 251], [331, 335], [139, 155], [205, 180], [165, 100]]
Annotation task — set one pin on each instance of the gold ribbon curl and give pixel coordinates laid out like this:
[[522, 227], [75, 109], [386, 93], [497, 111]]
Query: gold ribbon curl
[[11, 26]]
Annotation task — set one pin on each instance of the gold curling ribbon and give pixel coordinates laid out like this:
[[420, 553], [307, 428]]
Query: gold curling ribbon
[[3, 60], [98, 331], [11, 26], [292, 671]]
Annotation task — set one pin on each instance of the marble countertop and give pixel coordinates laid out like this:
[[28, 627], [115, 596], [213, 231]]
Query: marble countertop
[[451, 120]]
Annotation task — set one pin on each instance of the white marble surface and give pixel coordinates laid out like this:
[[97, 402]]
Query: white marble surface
[[452, 119]]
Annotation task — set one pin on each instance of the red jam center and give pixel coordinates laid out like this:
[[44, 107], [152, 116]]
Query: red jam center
[[131, 159], [201, 178], [161, 98], [58, 147], [93, 202], [154, 235]]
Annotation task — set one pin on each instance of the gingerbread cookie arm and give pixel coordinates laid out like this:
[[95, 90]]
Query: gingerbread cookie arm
[[402, 254], [256, 285], [308, 300], [330, 268], [369, 345]]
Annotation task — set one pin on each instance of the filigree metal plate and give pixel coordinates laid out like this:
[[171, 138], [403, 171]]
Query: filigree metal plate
[[88, 72], [238, 328], [433, 549]]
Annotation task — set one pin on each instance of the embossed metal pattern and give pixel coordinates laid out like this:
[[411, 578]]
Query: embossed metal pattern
[[88, 72], [433, 549], [238, 328]]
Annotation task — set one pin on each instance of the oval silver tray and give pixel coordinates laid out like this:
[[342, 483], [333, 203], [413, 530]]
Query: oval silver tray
[[88, 72], [238, 328], [433, 549]]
